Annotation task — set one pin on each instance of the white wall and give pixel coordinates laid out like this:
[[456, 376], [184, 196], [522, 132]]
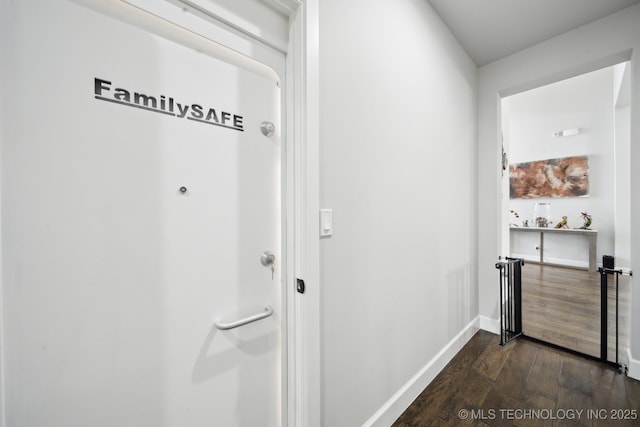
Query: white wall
[[398, 169], [584, 102], [605, 42], [622, 195], [5, 43]]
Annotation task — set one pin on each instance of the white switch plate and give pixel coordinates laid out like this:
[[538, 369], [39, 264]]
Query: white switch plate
[[326, 222]]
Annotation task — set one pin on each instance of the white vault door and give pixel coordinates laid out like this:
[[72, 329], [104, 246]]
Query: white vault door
[[143, 194], [223, 216]]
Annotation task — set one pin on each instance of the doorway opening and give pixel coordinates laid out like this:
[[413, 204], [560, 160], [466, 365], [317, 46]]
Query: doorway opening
[[565, 201]]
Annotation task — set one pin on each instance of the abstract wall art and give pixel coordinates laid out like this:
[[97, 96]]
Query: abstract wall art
[[565, 177]]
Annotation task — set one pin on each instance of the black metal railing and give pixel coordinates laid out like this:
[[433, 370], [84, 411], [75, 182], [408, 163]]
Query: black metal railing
[[510, 298], [511, 308], [604, 310]]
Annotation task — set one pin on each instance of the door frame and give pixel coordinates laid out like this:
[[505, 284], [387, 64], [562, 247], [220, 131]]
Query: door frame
[[303, 207], [504, 237], [552, 63], [300, 175]]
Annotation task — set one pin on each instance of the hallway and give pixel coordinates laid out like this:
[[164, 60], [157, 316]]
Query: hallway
[[324, 175]]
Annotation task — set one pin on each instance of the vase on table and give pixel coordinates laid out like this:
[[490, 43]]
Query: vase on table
[[542, 214]]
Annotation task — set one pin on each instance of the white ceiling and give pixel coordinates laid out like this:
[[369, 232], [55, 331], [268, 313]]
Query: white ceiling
[[492, 29]]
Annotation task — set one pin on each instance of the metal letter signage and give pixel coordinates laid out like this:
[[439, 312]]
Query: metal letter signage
[[102, 90]]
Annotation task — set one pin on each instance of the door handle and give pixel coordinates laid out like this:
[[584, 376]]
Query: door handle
[[267, 259], [268, 311]]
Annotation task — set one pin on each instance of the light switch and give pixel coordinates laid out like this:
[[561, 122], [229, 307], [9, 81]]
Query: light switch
[[326, 222]]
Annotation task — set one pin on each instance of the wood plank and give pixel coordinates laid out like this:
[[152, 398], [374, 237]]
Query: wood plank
[[491, 361], [515, 371], [521, 375], [543, 381], [441, 390], [562, 306]]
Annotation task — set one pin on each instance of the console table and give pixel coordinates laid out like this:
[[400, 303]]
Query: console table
[[591, 236]]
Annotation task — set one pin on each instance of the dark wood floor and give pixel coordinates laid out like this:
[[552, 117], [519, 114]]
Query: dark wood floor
[[486, 384]]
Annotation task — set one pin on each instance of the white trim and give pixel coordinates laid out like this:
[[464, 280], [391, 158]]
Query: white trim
[[394, 407], [189, 29], [634, 366], [3, 13], [304, 57], [4, 37], [490, 325], [236, 22], [292, 120], [288, 7]]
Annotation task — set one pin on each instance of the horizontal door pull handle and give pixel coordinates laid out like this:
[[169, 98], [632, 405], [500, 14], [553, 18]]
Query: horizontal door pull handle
[[268, 311]]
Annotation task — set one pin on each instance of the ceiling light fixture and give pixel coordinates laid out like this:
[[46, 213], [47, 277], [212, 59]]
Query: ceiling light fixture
[[566, 132]]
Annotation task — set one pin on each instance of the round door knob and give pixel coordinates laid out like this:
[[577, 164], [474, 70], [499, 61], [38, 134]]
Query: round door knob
[[267, 128], [267, 259]]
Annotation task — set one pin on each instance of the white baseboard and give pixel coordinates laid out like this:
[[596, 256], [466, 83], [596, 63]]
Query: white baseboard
[[394, 407], [634, 366], [490, 325]]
